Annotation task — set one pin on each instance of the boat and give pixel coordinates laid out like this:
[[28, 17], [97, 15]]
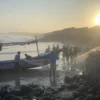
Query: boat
[[25, 64], [40, 60]]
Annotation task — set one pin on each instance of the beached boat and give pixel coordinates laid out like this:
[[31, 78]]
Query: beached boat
[[37, 61], [40, 60]]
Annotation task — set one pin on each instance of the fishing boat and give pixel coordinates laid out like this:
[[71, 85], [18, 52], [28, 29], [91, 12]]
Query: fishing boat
[[25, 64], [40, 60]]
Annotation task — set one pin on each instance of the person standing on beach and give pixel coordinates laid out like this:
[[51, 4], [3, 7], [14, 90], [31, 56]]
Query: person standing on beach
[[63, 50], [17, 69], [71, 52], [54, 48], [0, 46], [53, 59], [17, 59], [58, 51], [67, 55], [48, 48]]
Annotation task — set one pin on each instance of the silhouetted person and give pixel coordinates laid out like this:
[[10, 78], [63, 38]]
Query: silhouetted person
[[58, 51], [48, 48], [75, 54], [63, 50], [17, 69], [28, 56], [46, 51], [17, 59], [53, 59], [58, 47], [54, 48], [75, 51], [67, 55], [71, 52], [0, 46], [79, 48]]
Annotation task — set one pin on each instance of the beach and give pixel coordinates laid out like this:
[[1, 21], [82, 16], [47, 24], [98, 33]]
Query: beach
[[35, 82], [40, 74]]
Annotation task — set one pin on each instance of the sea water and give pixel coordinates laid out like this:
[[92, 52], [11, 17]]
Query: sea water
[[9, 52]]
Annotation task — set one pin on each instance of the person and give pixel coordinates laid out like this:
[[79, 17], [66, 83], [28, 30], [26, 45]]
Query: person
[[27, 56], [58, 51], [75, 51], [0, 46], [54, 48], [53, 59], [17, 70], [71, 53], [67, 56], [17, 59], [67, 53], [46, 51], [48, 48], [63, 50]]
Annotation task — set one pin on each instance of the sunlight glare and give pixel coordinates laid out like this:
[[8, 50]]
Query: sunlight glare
[[98, 20]]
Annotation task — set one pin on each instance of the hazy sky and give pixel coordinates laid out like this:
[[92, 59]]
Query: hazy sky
[[41, 16]]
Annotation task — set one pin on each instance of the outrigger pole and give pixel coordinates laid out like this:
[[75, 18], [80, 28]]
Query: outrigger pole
[[37, 44]]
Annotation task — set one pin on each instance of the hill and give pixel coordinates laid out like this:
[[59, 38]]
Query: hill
[[83, 35]]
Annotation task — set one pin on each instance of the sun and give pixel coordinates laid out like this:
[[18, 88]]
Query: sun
[[98, 20]]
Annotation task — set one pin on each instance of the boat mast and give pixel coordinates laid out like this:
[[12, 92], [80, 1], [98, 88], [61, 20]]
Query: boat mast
[[37, 45]]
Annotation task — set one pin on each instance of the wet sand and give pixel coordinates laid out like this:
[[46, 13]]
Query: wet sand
[[27, 76], [38, 76]]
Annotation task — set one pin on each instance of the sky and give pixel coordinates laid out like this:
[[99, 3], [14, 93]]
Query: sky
[[42, 16]]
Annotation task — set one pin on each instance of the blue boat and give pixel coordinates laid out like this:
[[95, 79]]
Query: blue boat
[[40, 60]]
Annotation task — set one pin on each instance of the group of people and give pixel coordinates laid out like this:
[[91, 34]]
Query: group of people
[[52, 59], [55, 49], [69, 52]]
